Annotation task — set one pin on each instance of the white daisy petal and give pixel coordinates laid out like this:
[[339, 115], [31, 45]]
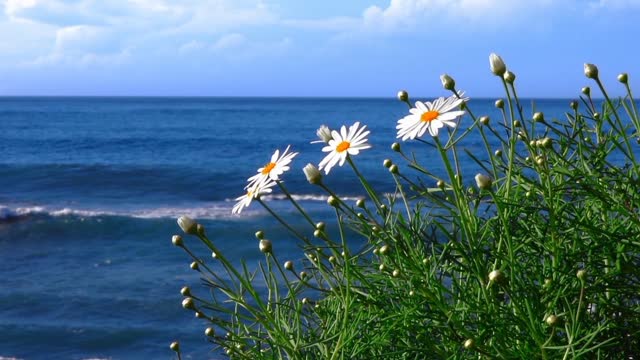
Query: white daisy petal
[[347, 142], [430, 116]]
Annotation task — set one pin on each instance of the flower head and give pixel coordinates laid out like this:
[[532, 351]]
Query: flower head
[[590, 71], [187, 224], [312, 173], [430, 116], [447, 82], [324, 134], [254, 190], [274, 168], [344, 143]]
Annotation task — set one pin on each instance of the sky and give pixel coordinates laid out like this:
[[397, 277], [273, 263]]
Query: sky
[[356, 48]]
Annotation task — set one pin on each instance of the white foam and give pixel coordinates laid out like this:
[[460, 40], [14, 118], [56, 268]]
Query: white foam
[[9, 358]]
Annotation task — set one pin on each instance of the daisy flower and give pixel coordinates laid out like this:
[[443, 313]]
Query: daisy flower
[[430, 116], [254, 190], [344, 143], [274, 168]]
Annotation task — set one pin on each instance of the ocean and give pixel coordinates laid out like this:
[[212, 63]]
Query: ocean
[[90, 189]]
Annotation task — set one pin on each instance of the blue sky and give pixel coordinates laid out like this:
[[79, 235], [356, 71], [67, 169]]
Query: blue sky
[[311, 48]]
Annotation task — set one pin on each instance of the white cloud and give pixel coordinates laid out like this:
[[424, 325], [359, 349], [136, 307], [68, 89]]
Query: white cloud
[[229, 41]]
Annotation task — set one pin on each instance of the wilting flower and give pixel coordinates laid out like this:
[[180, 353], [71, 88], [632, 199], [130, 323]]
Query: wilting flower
[[344, 143], [274, 168], [256, 189], [430, 116]]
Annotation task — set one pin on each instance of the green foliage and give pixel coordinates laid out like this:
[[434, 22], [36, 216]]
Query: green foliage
[[541, 260]]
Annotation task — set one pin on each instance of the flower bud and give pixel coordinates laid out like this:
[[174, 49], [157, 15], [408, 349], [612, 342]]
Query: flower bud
[[411, 292], [376, 251], [546, 143], [194, 266], [590, 71], [540, 160], [623, 78], [499, 104], [517, 123], [333, 201], [384, 250], [447, 82], [185, 291], [209, 332], [176, 240], [573, 105], [395, 147], [200, 315], [496, 64], [552, 320], [265, 246], [187, 225], [360, 203], [509, 77], [214, 255], [533, 143], [538, 117], [469, 344], [188, 304], [393, 169], [320, 225], [332, 259], [314, 177], [200, 229], [395, 273], [387, 163], [403, 96], [440, 184], [303, 274], [581, 274], [586, 90], [259, 234], [381, 267], [498, 153], [596, 115], [484, 120], [318, 233], [496, 276], [483, 181], [324, 134], [175, 346]]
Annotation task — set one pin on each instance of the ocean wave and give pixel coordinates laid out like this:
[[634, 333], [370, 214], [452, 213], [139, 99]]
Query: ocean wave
[[303, 197]]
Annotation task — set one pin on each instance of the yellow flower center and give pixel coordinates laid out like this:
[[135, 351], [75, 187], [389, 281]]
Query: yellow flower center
[[267, 168], [343, 146], [429, 115]]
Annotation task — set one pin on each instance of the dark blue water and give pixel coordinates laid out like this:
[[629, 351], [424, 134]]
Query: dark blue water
[[90, 189]]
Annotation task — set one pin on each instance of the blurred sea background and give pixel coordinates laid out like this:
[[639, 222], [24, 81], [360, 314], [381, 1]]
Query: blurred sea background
[[90, 188]]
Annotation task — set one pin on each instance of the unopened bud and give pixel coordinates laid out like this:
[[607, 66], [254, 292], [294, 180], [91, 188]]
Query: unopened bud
[[395, 273], [384, 250], [288, 265], [499, 104], [333, 201], [590, 71], [484, 120], [259, 234], [187, 303], [194, 266], [318, 233], [176, 240], [265, 246], [395, 146], [447, 82], [552, 320], [185, 291], [573, 105], [440, 184], [623, 78], [393, 169], [483, 181], [360, 203], [586, 90], [387, 163], [303, 274], [314, 177], [538, 117], [469, 344], [546, 143], [175, 346], [498, 153], [200, 315], [496, 276], [581, 274], [496, 64], [517, 123], [187, 225], [403, 96], [214, 255], [200, 229], [509, 77], [209, 332]]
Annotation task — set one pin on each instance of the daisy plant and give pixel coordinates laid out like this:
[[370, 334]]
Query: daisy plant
[[526, 246]]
